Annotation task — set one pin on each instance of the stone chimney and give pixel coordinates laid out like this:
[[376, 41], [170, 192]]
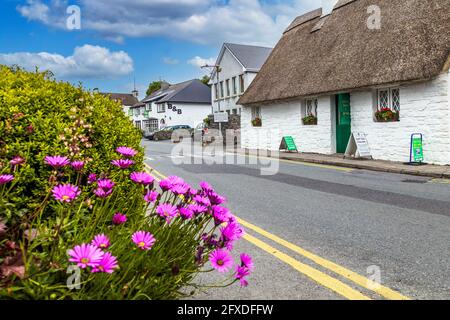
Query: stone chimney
[[165, 85], [327, 6]]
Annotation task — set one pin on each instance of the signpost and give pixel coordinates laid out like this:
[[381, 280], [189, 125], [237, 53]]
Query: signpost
[[416, 149], [288, 144], [358, 146], [220, 117]]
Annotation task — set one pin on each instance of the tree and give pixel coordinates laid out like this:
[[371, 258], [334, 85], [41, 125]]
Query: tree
[[205, 80], [154, 86]]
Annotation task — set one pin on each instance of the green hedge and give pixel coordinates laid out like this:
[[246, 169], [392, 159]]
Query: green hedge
[[40, 116]]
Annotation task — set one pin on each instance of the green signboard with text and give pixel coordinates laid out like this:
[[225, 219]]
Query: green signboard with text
[[288, 144], [417, 148]]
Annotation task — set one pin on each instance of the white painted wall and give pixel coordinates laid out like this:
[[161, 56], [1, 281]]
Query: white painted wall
[[192, 114], [284, 119], [230, 68], [425, 108]]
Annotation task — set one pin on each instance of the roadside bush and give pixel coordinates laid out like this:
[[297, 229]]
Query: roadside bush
[[79, 219], [40, 116]]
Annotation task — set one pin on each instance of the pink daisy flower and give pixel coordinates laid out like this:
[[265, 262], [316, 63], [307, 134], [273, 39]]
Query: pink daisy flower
[[170, 182], [206, 187], [182, 188], [119, 218], [65, 192], [232, 232], [101, 241], [167, 211], [5, 178], [17, 161], [123, 163], [77, 165], [221, 260], [86, 255], [186, 213], [141, 178], [105, 184], [107, 264], [247, 262], [204, 201], [241, 274], [151, 196], [197, 208], [56, 161], [126, 151], [216, 199], [144, 240], [220, 214], [101, 193], [92, 178]]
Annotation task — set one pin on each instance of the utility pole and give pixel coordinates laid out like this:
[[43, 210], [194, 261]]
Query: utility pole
[[217, 69]]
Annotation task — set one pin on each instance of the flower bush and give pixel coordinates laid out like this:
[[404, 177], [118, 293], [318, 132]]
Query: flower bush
[[40, 117], [387, 115], [257, 122], [148, 246], [309, 120]]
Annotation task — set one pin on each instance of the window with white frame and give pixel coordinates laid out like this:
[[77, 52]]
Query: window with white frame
[[256, 117], [148, 106], [161, 108], [309, 111], [221, 89], [216, 91], [137, 111], [234, 86], [241, 83], [388, 104], [227, 82]]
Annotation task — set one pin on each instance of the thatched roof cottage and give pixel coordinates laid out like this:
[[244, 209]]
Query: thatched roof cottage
[[380, 67]]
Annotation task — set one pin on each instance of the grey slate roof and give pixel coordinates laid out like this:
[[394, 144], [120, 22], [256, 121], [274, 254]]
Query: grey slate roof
[[127, 99], [192, 91], [251, 57]]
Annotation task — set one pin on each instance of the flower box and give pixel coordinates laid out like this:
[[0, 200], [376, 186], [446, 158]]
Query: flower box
[[387, 115], [309, 120], [257, 122]]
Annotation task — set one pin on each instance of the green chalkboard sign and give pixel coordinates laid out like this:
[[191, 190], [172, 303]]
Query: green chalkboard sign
[[288, 144], [417, 148]]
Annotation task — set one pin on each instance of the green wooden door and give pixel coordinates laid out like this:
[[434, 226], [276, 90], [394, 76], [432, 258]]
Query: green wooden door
[[343, 121]]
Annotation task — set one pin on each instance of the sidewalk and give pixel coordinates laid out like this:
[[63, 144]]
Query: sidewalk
[[434, 171]]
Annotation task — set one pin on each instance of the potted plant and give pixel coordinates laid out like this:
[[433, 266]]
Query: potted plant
[[310, 120], [387, 115], [257, 122]]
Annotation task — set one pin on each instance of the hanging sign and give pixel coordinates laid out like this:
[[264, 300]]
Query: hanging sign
[[416, 150], [358, 146], [221, 117], [288, 144]]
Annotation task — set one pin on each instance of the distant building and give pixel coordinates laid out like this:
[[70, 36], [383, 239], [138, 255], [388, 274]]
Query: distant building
[[239, 65], [186, 103], [126, 99], [334, 73]]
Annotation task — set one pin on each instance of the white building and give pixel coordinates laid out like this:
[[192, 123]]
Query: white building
[[344, 72], [127, 100], [186, 103], [239, 65]]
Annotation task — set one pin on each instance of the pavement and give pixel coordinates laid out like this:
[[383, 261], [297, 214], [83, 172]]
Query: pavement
[[320, 231], [426, 170]]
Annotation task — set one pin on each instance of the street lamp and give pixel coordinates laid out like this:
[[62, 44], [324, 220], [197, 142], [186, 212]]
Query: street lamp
[[218, 69]]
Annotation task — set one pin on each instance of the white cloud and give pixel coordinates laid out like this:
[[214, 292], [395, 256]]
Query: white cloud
[[170, 61], [88, 62], [200, 62], [200, 21]]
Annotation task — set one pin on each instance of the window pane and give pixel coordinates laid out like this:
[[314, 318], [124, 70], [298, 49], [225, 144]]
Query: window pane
[[395, 99], [383, 99]]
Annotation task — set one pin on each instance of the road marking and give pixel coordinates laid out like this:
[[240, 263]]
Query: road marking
[[441, 181], [342, 271], [314, 274], [318, 276]]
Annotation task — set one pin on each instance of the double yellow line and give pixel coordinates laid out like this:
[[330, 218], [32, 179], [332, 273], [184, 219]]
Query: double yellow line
[[320, 277]]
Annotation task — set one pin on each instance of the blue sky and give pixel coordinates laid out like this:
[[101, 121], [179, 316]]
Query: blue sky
[[145, 39]]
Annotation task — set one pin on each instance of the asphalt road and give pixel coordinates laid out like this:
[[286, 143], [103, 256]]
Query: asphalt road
[[359, 220]]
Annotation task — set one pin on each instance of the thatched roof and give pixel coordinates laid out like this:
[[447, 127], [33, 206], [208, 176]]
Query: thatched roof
[[344, 54]]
